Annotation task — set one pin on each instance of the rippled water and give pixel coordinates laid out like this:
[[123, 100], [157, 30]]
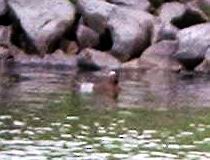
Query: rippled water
[[41, 118]]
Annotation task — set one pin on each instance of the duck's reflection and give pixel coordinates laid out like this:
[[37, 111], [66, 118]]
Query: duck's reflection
[[164, 89]]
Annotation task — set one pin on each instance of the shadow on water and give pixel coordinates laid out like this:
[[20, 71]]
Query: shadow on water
[[41, 116]]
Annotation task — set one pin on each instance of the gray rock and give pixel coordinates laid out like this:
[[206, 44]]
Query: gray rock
[[160, 55], [90, 59], [95, 13], [86, 37], [193, 45], [130, 40], [3, 7], [130, 27], [43, 21], [163, 31], [133, 4]]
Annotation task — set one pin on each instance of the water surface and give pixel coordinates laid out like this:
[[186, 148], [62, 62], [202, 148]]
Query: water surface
[[42, 118]]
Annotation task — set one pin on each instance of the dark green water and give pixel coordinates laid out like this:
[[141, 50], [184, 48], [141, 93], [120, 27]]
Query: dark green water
[[41, 118]]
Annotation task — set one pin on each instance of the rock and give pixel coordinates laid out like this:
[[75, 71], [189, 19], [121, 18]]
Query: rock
[[95, 13], [43, 21], [108, 17], [130, 40], [133, 4], [57, 60], [157, 56], [193, 45], [163, 31], [69, 47], [127, 39], [3, 7], [72, 48], [86, 37], [181, 15], [205, 65], [90, 59], [160, 55], [133, 64], [5, 35], [172, 10]]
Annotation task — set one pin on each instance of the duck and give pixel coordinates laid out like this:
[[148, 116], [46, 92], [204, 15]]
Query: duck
[[108, 86]]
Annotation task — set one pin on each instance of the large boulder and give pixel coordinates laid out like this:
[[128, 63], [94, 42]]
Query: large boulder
[[107, 19], [157, 56], [193, 45], [3, 7], [43, 21], [133, 4], [95, 13], [90, 59], [130, 40]]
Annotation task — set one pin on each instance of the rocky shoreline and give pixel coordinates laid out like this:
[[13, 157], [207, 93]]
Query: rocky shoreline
[[106, 34]]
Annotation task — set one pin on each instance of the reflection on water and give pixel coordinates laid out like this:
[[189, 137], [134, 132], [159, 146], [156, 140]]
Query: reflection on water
[[163, 89], [41, 118]]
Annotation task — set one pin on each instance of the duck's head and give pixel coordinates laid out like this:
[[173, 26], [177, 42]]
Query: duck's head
[[113, 77]]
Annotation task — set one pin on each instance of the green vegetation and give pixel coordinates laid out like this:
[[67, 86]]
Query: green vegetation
[[206, 10], [73, 1], [74, 119]]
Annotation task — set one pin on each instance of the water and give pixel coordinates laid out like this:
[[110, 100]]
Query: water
[[157, 115]]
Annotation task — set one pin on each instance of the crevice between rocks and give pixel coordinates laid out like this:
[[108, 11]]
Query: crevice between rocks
[[20, 39], [6, 19], [106, 41]]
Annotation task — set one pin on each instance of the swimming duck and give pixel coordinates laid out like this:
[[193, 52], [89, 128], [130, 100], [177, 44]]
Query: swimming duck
[[107, 87]]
